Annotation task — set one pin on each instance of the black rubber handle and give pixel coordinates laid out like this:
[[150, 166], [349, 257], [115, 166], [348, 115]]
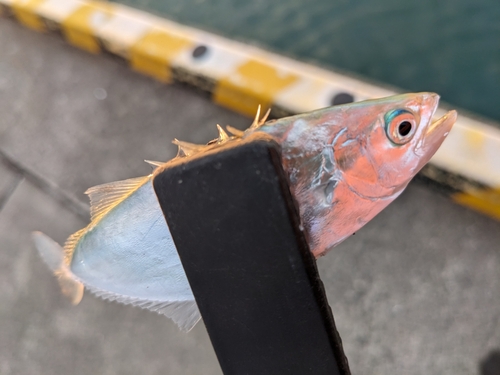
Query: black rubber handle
[[236, 229]]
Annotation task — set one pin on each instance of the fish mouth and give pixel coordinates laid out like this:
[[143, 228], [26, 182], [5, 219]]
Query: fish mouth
[[434, 136], [442, 125]]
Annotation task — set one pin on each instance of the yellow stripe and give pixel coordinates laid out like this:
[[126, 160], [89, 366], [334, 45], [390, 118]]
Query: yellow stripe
[[253, 83], [475, 140], [485, 201], [25, 12], [79, 28], [260, 79], [153, 53]]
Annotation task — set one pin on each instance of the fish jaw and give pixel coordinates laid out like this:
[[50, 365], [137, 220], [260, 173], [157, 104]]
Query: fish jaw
[[434, 136]]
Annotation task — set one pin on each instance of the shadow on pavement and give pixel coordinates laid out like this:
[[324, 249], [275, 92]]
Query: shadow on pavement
[[491, 364]]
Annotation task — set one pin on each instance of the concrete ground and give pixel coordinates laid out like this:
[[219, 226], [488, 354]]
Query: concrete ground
[[417, 291]]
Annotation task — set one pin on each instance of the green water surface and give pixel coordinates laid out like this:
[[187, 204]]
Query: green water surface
[[450, 47]]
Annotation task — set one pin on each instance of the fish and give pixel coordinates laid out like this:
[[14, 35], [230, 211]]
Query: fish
[[344, 165]]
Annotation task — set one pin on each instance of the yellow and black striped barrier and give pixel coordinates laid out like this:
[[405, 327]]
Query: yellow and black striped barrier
[[239, 76]]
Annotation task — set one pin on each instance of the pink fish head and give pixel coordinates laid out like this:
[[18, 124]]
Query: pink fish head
[[346, 163], [386, 142]]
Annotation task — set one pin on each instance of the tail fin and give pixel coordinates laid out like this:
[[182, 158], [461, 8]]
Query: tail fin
[[53, 255]]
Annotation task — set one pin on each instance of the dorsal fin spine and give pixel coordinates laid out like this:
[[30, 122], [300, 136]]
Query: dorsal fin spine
[[155, 164]]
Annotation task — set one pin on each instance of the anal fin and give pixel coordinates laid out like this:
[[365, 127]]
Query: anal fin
[[184, 313]]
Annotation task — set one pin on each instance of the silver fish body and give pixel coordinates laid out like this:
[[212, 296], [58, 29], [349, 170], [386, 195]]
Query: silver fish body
[[344, 163], [129, 256]]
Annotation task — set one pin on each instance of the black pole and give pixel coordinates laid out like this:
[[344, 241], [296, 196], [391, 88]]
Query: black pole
[[237, 232]]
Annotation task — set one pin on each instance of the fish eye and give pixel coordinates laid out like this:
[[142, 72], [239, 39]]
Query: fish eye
[[400, 126]]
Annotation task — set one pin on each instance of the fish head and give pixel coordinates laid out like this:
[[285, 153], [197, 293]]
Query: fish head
[[346, 163], [387, 141]]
